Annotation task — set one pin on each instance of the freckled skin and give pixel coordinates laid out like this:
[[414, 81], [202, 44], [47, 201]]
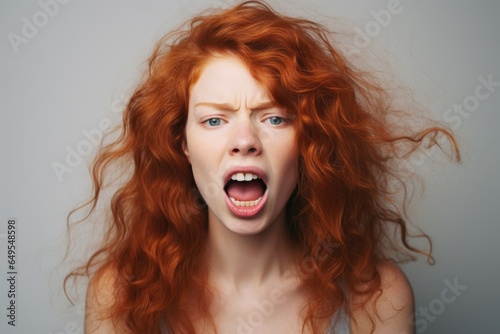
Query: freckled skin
[[231, 123]]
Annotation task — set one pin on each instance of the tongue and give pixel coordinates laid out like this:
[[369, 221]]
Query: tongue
[[245, 190]]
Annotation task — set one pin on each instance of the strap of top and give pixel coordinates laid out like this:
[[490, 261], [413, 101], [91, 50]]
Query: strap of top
[[340, 323]]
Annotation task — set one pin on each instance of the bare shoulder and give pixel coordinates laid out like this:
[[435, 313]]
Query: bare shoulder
[[391, 309], [101, 297]]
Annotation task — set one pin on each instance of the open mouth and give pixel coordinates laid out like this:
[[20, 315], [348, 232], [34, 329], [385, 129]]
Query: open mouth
[[245, 190]]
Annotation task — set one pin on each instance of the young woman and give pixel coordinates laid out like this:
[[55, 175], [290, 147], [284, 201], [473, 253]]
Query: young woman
[[261, 194]]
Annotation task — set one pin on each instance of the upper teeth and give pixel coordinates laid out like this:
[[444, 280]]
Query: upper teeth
[[244, 177]]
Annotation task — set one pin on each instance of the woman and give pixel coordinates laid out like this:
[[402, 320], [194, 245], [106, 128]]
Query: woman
[[261, 196]]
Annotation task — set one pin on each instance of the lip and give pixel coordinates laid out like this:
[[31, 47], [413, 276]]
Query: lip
[[245, 212]]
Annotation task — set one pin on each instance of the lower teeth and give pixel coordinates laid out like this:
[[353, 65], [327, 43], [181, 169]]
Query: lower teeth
[[245, 203]]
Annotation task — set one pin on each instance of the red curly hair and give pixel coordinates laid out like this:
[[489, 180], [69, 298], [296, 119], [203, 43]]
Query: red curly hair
[[347, 146]]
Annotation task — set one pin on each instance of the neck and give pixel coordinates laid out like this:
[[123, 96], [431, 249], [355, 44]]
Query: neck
[[247, 262]]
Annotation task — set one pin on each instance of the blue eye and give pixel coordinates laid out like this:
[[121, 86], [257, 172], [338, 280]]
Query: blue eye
[[214, 121], [275, 120]]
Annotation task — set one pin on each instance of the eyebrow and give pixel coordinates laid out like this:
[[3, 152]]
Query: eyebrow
[[227, 106]]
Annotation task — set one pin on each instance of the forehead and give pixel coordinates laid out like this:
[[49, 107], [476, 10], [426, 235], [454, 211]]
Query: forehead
[[227, 79]]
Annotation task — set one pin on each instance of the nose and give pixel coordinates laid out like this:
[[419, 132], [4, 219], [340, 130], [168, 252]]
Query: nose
[[245, 140]]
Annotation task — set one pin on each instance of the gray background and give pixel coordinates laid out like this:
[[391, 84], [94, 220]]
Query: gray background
[[74, 72]]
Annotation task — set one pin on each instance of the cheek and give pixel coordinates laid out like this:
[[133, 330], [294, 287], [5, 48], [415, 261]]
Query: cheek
[[201, 180], [199, 165], [204, 168], [289, 156], [289, 167], [193, 146], [293, 169]]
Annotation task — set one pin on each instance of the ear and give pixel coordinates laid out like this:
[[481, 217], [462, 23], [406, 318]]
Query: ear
[[185, 149]]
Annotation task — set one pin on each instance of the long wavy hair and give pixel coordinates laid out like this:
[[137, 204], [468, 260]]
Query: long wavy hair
[[348, 144]]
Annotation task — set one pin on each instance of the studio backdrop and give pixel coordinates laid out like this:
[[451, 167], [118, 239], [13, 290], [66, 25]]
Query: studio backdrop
[[68, 67]]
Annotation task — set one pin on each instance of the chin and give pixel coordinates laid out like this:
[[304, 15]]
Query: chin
[[247, 229], [242, 226]]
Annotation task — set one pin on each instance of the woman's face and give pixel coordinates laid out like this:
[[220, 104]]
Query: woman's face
[[241, 147]]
